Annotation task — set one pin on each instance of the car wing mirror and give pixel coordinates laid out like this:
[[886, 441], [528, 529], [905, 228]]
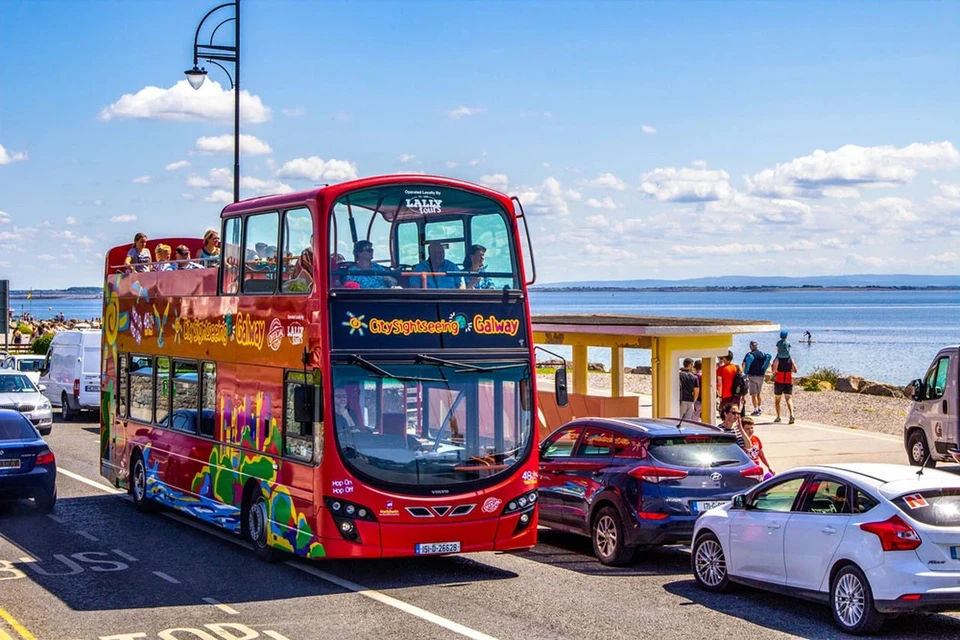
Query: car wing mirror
[[560, 386], [740, 501], [42, 388]]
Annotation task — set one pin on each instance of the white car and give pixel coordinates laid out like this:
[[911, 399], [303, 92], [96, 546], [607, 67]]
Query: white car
[[18, 392], [30, 366], [868, 539]]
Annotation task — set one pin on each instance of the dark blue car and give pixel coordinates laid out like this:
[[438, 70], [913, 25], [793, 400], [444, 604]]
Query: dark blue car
[[634, 483], [27, 466]]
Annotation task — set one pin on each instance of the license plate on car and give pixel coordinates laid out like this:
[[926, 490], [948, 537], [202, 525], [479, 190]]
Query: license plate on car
[[9, 463], [426, 548], [699, 506], [93, 387]]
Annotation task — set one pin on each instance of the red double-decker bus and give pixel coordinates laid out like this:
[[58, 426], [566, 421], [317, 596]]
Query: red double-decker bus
[[352, 376]]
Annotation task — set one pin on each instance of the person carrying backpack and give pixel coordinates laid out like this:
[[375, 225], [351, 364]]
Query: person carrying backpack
[[739, 388], [755, 365]]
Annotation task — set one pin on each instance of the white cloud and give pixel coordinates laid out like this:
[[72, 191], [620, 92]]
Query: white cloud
[[597, 220], [4, 217], [219, 195], [142, 180], [293, 112], [495, 181], [406, 157], [608, 181], [6, 157], [317, 169], [249, 145], [262, 187], [856, 260], [70, 220], [182, 102], [699, 164], [450, 164], [605, 203], [946, 258], [198, 182], [550, 198], [843, 171], [173, 166], [686, 184], [885, 215], [648, 129], [462, 111], [126, 217]]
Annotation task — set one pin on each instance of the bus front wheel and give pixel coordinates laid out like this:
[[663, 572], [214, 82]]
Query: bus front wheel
[[256, 521]]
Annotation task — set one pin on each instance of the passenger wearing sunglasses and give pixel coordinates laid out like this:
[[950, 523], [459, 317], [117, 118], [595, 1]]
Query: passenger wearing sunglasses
[[365, 273]]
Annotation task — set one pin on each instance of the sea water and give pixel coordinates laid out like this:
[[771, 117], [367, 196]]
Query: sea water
[[888, 336]]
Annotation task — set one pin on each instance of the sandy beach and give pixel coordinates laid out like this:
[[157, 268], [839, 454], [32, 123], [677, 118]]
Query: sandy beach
[[850, 410]]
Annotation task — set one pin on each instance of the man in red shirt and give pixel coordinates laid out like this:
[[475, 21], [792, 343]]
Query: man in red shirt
[[726, 370]]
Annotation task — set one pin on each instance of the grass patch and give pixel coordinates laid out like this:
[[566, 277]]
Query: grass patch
[[824, 373]]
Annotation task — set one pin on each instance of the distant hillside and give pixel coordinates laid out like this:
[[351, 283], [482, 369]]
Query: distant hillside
[[860, 280], [84, 292]]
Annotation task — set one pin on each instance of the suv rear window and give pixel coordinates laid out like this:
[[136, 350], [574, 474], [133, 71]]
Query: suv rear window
[[937, 507], [698, 451]]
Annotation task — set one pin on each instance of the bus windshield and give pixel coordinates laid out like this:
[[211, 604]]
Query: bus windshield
[[433, 423], [414, 236]]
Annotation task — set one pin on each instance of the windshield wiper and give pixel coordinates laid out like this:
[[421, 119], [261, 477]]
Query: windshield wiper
[[720, 463], [369, 366], [463, 367]]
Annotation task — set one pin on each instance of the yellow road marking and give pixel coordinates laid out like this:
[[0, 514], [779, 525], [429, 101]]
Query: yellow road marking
[[4, 636], [19, 628]]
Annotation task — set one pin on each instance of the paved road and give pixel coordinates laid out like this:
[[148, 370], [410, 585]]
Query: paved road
[[97, 568]]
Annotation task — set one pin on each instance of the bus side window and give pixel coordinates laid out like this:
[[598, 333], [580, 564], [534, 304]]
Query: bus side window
[[208, 400], [141, 388], [122, 385], [183, 415], [232, 229], [299, 396], [163, 391], [260, 253], [297, 256]]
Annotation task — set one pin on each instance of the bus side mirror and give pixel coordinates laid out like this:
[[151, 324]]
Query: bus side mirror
[[917, 393], [560, 386], [303, 405]]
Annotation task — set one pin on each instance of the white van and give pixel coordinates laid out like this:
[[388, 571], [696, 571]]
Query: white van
[[931, 432], [71, 374]]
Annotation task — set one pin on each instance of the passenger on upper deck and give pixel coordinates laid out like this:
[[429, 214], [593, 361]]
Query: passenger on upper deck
[[303, 268], [437, 269], [209, 253], [474, 264], [138, 257], [163, 255], [360, 272], [183, 259]]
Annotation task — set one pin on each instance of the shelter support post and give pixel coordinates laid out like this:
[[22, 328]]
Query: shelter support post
[[617, 387], [580, 369]]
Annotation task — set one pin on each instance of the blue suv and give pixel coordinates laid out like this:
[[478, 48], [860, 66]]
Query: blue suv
[[634, 483]]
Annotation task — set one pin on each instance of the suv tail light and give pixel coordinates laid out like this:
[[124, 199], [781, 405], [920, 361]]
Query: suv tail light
[[752, 472], [894, 534], [45, 458], [76, 388], [656, 474]]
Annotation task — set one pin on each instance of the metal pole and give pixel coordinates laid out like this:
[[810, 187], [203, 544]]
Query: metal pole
[[236, 108]]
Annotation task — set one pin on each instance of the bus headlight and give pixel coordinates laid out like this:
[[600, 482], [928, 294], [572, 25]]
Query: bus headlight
[[345, 514], [521, 503]]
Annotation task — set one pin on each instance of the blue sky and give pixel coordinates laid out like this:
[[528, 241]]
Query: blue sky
[[646, 140]]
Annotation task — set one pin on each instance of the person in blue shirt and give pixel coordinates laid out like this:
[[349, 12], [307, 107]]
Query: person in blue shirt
[[365, 273], [438, 270], [474, 264]]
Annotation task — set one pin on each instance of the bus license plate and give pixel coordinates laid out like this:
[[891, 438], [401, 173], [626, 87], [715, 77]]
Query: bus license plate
[[426, 548], [93, 388], [13, 463], [705, 505]]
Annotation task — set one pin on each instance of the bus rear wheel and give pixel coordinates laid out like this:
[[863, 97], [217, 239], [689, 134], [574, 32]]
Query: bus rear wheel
[[256, 522], [138, 485]]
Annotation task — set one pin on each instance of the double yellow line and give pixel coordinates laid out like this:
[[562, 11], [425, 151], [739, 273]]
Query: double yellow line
[[19, 628]]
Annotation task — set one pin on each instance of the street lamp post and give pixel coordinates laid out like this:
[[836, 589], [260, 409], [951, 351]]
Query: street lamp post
[[212, 53]]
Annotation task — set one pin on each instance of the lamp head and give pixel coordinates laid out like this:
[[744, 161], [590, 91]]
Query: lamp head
[[196, 76]]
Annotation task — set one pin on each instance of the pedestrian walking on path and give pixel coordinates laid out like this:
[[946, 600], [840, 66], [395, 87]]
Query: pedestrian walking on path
[[689, 390], [755, 365], [783, 370]]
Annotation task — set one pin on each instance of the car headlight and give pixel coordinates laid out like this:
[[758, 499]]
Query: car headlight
[[44, 405]]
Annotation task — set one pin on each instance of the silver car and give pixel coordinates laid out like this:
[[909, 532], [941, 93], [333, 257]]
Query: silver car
[[18, 392]]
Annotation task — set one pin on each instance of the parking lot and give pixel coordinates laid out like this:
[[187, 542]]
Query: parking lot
[[96, 568]]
